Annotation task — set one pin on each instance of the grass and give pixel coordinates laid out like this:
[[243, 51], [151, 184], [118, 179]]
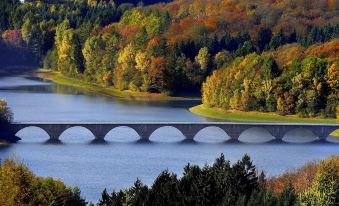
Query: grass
[[58, 78], [335, 133], [240, 116]]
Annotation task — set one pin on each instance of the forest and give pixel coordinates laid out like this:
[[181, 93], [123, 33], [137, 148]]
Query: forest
[[264, 55], [222, 183], [303, 82]]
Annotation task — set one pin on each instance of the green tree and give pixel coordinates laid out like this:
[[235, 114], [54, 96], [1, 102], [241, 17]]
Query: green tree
[[203, 59], [141, 39], [19, 186], [143, 61], [6, 117], [26, 31], [221, 58], [111, 50], [93, 52], [270, 68], [70, 58], [60, 30], [325, 188], [277, 40]]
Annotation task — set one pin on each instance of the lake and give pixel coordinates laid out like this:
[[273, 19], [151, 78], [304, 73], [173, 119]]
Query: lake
[[119, 162]]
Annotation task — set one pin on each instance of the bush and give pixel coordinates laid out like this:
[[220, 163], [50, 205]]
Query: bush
[[325, 187], [6, 117], [19, 186]]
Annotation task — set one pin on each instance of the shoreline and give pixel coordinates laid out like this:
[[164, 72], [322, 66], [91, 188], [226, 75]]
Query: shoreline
[[58, 78], [240, 116]]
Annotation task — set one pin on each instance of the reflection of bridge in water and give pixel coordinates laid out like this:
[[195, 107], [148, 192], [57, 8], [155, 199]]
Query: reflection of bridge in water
[[188, 129]]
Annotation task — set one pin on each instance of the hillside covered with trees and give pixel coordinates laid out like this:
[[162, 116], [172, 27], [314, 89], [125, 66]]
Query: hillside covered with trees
[[289, 80], [174, 46]]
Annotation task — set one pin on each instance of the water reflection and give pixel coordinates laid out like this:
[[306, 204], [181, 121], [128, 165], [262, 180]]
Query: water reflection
[[300, 135], [61, 103], [256, 135], [77, 135], [167, 134], [211, 135], [33, 134], [32, 85], [122, 134]]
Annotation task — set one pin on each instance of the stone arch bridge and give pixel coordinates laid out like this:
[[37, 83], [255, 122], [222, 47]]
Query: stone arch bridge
[[188, 129]]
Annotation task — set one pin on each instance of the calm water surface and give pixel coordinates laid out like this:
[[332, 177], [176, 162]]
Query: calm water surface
[[117, 164]]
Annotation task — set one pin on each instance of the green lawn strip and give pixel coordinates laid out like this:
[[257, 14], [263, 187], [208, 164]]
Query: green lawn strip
[[335, 133], [107, 91], [253, 116]]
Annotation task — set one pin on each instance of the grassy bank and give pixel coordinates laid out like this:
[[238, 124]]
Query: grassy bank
[[253, 116], [58, 78], [256, 117], [335, 133]]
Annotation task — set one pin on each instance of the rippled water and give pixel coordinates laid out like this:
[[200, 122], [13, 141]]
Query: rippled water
[[118, 163]]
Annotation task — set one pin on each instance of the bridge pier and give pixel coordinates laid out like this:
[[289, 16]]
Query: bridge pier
[[144, 134], [54, 133], [189, 136], [188, 141], [321, 133], [278, 138], [99, 131], [234, 131], [232, 141], [143, 141]]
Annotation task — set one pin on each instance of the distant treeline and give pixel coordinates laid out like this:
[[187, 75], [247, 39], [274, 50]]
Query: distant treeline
[[168, 47], [221, 183]]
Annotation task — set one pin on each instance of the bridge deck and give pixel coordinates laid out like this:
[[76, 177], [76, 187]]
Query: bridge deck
[[188, 129], [174, 123]]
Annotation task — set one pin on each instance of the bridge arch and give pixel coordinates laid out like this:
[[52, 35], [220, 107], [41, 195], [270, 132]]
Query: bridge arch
[[39, 134], [211, 134], [300, 135], [126, 134], [256, 134], [77, 134], [167, 133]]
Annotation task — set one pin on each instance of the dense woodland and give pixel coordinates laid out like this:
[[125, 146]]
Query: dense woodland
[[222, 183], [175, 46], [289, 80]]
